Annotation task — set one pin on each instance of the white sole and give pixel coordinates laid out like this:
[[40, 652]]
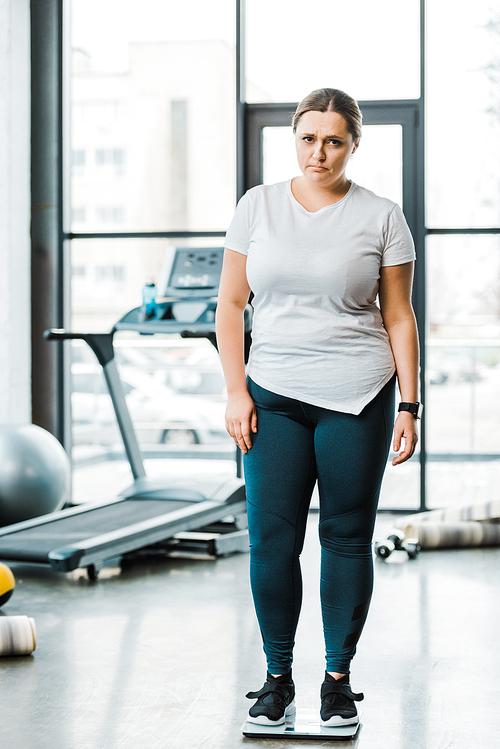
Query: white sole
[[336, 720], [262, 720]]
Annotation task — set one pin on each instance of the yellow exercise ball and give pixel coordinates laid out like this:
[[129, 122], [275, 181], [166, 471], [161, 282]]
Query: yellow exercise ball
[[7, 583]]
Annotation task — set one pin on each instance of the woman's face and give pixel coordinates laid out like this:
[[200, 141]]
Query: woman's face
[[324, 147]]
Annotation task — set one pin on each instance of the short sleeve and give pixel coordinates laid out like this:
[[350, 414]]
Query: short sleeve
[[238, 234], [398, 245]]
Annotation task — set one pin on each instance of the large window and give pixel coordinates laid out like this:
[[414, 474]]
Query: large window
[[371, 50], [383, 176], [463, 366], [154, 143], [153, 114], [463, 252], [463, 115]]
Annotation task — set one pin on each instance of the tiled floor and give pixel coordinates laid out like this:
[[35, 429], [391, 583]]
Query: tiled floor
[[161, 654]]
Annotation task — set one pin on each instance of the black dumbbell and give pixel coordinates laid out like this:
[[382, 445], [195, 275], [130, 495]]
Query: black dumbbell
[[396, 542], [412, 547]]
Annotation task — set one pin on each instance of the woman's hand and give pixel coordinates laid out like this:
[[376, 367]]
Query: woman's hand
[[241, 420], [405, 428]]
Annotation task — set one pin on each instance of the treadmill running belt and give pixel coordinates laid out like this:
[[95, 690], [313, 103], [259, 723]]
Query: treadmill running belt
[[36, 543]]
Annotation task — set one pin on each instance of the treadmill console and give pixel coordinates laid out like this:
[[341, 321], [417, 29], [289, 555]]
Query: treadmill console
[[186, 296], [190, 272]]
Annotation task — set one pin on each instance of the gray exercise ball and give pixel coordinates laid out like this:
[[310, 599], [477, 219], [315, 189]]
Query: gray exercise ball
[[34, 473]]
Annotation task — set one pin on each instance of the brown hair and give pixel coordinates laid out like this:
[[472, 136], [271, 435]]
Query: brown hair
[[332, 100]]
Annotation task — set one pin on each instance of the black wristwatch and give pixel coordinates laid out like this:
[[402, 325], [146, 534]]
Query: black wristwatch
[[414, 408]]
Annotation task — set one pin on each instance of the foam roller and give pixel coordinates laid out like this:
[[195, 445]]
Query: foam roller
[[480, 511], [17, 635], [440, 535]]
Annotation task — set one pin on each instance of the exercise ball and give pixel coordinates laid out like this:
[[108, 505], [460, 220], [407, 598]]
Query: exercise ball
[[7, 583], [34, 473]]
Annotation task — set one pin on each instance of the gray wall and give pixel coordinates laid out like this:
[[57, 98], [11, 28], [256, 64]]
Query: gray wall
[[15, 250]]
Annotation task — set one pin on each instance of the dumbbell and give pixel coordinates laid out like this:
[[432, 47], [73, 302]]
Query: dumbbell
[[396, 542]]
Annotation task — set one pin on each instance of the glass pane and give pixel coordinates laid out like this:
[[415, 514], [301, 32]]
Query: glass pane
[[292, 50], [279, 157], [378, 162], [174, 387], [463, 367], [459, 482], [174, 390], [153, 115], [383, 175], [463, 115], [401, 486], [108, 276]]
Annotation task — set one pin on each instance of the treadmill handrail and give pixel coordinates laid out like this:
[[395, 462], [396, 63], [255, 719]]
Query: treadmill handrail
[[100, 343], [102, 346], [124, 419]]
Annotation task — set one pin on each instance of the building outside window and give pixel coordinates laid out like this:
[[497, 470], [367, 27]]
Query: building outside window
[[110, 214], [78, 159], [78, 214], [113, 158]]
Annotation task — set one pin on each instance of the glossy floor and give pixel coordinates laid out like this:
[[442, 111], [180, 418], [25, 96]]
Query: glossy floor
[[162, 654]]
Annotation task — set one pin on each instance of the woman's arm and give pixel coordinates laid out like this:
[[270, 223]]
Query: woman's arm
[[234, 291], [399, 321]]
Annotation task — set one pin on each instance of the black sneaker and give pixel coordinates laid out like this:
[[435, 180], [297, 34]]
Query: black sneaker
[[337, 702], [275, 700]]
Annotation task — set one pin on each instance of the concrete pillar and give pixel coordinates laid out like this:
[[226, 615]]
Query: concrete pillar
[[15, 322]]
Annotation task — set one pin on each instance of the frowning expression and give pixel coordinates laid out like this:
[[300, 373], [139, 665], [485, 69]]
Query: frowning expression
[[324, 146]]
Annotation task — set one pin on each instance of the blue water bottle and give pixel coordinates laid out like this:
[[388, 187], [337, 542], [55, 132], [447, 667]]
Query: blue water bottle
[[149, 301]]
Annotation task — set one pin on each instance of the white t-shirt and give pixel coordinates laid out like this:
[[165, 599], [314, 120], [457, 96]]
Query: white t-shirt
[[318, 334]]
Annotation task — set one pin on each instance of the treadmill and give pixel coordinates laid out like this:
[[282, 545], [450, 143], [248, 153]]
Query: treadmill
[[157, 513]]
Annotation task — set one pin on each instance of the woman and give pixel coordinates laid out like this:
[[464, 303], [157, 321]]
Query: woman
[[318, 401]]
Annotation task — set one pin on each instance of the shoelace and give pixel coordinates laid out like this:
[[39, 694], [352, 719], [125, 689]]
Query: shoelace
[[269, 688], [328, 690]]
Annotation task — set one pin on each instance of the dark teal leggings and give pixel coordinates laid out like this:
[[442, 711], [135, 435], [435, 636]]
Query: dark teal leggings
[[295, 445]]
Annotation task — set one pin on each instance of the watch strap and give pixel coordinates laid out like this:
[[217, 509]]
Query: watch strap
[[414, 408]]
